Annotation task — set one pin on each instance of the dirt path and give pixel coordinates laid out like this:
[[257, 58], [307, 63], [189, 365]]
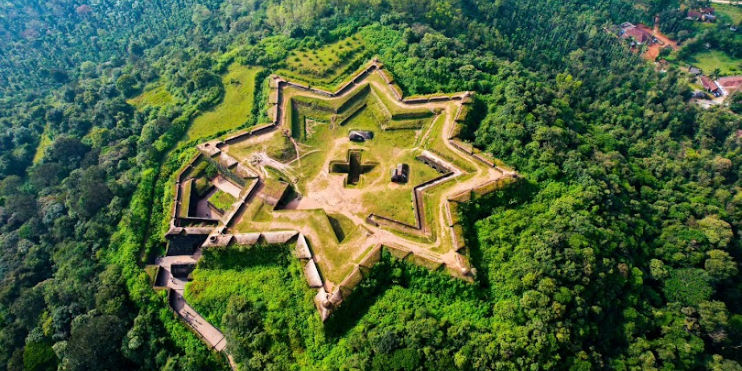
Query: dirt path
[[653, 50]]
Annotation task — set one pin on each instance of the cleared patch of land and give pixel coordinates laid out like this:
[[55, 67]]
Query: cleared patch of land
[[155, 95], [729, 13], [234, 110], [710, 60], [43, 143], [327, 66], [654, 49]]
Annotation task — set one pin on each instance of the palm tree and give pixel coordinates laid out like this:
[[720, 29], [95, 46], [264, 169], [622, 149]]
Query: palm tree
[[715, 74]]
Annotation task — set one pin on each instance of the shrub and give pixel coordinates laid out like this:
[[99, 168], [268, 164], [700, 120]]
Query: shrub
[[222, 200]]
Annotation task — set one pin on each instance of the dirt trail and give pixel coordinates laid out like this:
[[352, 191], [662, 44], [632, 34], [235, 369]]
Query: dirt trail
[[653, 50]]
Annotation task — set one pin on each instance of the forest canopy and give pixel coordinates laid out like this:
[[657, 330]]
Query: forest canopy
[[618, 249]]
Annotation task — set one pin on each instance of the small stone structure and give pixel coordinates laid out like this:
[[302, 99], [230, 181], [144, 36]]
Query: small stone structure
[[360, 135], [400, 173]]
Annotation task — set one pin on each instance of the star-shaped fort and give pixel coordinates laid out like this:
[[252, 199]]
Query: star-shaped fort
[[338, 176]]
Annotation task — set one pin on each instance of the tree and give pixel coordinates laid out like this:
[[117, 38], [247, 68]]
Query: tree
[[67, 151], [38, 356], [87, 191], [688, 286], [246, 336], [718, 231], [720, 266], [204, 79], [127, 85], [95, 344], [715, 74], [714, 319], [46, 174]]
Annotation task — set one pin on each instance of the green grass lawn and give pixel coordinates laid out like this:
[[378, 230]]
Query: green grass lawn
[[222, 200], [185, 198], [710, 60], [729, 13], [326, 67], [234, 110], [154, 96], [327, 60]]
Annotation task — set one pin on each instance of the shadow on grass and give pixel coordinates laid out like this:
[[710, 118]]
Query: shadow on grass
[[360, 301], [337, 228]]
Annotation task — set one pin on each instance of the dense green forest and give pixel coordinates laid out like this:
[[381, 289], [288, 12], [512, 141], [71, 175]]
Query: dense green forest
[[618, 249]]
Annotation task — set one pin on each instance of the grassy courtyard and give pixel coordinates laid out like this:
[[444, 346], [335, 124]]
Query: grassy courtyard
[[222, 200], [154, 95]]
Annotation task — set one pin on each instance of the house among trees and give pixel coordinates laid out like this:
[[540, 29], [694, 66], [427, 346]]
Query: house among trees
[[710, 86], [693, 70], [639, 35], [703, 15], [360, 135], [400, 173]]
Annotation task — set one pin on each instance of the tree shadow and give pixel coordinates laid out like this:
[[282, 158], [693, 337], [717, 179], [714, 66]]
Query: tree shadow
[[364, 296], [512, 195], [242, 257], [389, 272]]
